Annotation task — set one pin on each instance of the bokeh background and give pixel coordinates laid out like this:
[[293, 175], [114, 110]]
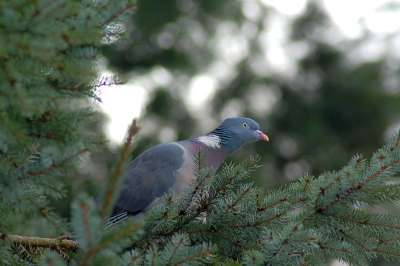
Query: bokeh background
[[320, 77]]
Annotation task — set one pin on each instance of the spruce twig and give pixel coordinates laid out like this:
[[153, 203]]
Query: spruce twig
[[54, 243], [132, 131], [116, 15], [54, 166]]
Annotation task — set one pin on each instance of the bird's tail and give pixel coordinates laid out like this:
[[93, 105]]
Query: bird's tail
[[116, 218]]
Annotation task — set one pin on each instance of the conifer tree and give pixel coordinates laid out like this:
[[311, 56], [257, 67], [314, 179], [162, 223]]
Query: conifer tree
[[48, 51], [47, 55]]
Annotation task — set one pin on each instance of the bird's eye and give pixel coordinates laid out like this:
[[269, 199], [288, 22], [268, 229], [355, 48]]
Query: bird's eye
[[244, 124]]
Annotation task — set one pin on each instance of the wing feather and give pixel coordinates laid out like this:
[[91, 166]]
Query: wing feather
[[148, 177]]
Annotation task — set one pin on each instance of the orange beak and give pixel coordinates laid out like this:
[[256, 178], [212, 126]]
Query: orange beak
[[262, 135]]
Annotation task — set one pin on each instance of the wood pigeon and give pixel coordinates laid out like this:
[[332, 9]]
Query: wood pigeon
[[168, 167]]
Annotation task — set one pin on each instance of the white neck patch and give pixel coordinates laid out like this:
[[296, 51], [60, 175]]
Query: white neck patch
[[210, 141]]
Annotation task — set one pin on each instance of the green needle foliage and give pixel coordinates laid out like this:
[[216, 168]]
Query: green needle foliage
[[48, 51], [302, 224], [47, 55]]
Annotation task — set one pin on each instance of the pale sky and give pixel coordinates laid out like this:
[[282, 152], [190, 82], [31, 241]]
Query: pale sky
[[125, 102]]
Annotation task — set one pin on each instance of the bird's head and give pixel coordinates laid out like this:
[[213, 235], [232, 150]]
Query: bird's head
[[239, 131]]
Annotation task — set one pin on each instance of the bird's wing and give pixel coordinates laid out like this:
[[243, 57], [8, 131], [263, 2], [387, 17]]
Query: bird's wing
[[149, 176]]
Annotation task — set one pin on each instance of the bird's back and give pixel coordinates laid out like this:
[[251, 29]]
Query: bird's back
[[149, 176]]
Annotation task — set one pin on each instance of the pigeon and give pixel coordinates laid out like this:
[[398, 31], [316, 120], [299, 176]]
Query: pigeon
[[168, 167]]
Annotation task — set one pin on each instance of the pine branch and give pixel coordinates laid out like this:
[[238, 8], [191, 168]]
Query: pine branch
[[57, 165], [333, 196], [113, 239], [179, 251], [195, 256], [51, 217], [116, 15], [30, 154], [212, 196], [9, 158], [53, 243], [199, 160], [110, 193], [361, 222], [284, 243]]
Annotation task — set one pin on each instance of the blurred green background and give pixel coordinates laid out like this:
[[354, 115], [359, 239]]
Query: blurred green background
[[322, 95]]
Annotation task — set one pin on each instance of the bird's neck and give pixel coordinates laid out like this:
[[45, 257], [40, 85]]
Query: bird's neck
[[220, 138], [214, 144]]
